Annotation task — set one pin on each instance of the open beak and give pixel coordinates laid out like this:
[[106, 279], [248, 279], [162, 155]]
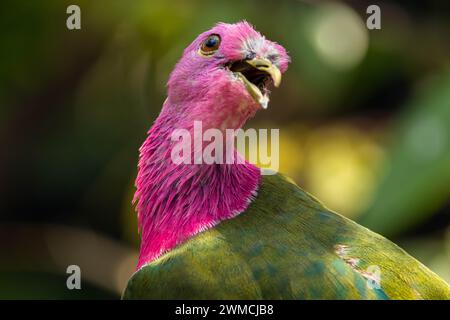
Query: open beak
[[257, 74], [268, 67]]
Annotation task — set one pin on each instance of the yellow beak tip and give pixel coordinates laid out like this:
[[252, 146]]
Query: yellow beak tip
[[269, 67]]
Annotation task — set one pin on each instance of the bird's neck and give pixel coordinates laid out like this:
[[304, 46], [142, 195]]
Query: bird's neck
[[175, 202]]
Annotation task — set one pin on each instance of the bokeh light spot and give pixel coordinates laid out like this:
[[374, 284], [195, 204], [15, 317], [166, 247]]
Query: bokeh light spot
[[340, 36]]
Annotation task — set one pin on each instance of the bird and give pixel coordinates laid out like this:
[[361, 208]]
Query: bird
[[233, 230]]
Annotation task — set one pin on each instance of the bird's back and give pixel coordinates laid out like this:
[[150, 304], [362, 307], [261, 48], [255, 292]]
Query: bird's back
[[286, 245]]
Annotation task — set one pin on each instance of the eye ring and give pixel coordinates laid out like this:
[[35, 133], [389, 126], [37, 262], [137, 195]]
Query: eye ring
[[210, 45]]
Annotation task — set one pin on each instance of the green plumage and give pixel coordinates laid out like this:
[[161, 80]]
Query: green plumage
[[286, 245]]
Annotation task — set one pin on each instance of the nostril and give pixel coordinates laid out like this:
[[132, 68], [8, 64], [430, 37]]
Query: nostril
[[251, 55]]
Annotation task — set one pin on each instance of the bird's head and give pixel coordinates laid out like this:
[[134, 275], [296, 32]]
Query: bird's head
[[225, 75]]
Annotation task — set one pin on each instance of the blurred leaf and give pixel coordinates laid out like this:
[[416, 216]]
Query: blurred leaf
[[417, 181], [433, 252]]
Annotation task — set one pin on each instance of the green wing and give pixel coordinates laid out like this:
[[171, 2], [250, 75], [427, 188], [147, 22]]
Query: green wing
[[286, 246]]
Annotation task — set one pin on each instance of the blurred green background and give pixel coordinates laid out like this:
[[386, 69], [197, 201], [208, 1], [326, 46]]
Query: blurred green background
[[364, 118]]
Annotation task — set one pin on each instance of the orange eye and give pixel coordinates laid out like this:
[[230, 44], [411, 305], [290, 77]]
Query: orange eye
[[210, 45]]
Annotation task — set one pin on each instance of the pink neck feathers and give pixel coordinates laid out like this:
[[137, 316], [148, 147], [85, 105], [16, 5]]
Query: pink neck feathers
[[174, 202]]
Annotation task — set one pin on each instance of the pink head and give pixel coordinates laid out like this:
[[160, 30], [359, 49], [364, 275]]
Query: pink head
[[221, 80], [226, 72]]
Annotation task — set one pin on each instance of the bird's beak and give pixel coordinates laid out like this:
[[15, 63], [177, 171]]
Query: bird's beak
[[254, 73], [268, 67]]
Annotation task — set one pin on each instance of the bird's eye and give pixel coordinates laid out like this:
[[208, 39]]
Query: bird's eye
[[210, 45]]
